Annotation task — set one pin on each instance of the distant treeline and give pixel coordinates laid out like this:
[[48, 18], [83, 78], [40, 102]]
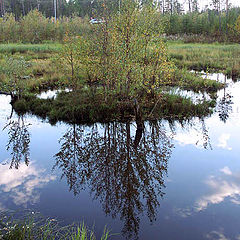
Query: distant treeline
[[210, 23], [21, 24], [36, 28]]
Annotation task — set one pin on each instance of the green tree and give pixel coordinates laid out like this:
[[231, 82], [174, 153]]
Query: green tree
[[130, 54], [74, 58]]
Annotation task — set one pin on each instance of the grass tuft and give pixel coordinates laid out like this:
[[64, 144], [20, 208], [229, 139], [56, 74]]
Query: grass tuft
[[35, 227]]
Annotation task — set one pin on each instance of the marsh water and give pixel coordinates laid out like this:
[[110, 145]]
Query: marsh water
[[174, 180]]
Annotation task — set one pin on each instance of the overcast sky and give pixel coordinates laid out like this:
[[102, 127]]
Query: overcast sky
[[203, 3]]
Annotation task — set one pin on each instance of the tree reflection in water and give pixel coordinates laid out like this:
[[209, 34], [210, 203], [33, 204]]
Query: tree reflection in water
[[19, 140], [225, 107], [225, 104], [123, 167]]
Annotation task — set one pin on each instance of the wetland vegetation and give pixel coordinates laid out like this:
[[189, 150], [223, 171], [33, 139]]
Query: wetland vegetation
[[142, 64]]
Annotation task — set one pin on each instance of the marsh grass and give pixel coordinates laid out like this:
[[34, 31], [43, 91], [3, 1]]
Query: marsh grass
[[24, 48], [207, 57], [46, 72], [90, 106], [35, 227], [194, 81]]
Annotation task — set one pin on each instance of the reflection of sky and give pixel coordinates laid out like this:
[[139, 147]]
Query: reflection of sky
[[5, 107], [221, 134], [50, 93], [217, 235], [203, 194], [202, 190], [22, 185], [226, 185]]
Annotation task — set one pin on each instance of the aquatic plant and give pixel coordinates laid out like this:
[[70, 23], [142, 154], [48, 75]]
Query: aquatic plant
[[33, 226]]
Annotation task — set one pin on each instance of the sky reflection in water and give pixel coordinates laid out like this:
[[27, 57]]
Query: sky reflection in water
[[172, 181]]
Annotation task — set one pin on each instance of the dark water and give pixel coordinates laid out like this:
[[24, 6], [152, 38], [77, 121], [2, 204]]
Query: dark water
[[173, 181]]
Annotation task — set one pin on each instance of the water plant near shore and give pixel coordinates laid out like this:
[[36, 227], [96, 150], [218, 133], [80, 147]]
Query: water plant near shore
[[34, 227]]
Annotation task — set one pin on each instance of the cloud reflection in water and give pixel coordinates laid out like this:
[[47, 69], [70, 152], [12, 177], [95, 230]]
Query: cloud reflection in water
[[23, 184], [226, 185]]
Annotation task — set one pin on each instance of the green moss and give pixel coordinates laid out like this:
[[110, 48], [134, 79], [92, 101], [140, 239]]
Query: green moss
[[81, 107]]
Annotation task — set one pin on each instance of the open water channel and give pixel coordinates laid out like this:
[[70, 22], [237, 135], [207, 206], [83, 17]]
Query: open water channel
[[173, 181]]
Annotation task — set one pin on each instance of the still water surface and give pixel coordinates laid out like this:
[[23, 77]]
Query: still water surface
[[173, 181]]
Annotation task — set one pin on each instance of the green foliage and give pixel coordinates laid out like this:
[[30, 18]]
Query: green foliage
[[74, 57], [9, 30], [36, 28], [121, 58], [33, 27], [237, 25], [16, 71], [209, 24]]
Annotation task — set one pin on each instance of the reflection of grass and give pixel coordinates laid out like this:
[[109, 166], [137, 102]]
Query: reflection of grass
[[206, 56], [31, 228]]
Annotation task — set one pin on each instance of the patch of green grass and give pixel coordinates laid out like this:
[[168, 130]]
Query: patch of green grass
[[13, 48], [35, 228], [179, 107], [207, 57], [193, 81], [83, 107]]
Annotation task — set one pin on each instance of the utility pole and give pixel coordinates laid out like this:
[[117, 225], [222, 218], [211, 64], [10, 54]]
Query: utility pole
[[23, 8], [55, 10], [38, 5], [189, 5]]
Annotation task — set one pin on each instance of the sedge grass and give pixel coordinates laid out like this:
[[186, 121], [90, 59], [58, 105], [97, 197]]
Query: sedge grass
[[37, 228], [211, 57]]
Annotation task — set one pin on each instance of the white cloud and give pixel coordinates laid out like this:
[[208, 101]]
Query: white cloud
[[22, 184], [183, 212], [226, 171], [224, 186], [216, 235], [222, 141], [238, 237], [189, 138]]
